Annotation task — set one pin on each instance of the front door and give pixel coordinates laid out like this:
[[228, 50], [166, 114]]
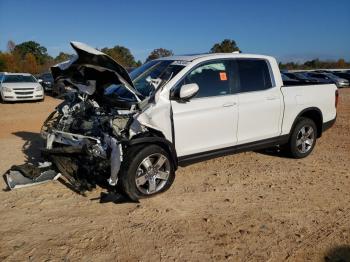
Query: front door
[[209, 120]]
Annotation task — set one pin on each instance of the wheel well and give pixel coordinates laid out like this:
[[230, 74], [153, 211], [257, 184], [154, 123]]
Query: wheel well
[[316, 116], [160, 141]]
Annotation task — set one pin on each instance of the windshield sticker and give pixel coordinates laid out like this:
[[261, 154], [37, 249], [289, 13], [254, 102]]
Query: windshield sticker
[[180, 63], [223, 76]]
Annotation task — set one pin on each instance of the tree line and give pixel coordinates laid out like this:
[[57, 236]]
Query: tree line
[[315, 64], [33, 58]]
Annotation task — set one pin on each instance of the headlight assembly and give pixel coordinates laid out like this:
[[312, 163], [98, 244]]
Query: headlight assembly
[[6, 89]]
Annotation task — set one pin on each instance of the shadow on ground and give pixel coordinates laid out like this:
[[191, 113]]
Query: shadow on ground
[[338, 254], [33, 142], [273, 151]]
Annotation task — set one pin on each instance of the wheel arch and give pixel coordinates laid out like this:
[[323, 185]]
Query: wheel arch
[[160, 141], [315, 115]]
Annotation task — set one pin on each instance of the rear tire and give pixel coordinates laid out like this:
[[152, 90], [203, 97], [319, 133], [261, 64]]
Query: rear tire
[[146, 171], [303, 138]]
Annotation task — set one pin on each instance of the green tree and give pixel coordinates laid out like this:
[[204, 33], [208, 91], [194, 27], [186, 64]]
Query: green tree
[[138, 63], [39, 52], [159, 52], [341, 63], [226, 46], [62, 56], [315, 63], [11, 62], [2, 63], [120, 54], [29, 64]]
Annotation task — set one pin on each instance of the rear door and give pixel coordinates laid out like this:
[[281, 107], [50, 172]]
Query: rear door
[[209, 120], [260, 101]]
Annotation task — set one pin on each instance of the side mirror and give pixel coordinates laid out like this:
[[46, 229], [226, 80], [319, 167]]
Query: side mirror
[[40, 80], [188, 91]]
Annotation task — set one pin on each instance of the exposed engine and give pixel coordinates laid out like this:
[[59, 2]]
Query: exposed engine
[[84, 139]]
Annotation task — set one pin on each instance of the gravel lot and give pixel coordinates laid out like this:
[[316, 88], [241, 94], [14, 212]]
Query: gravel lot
[[253, 206]]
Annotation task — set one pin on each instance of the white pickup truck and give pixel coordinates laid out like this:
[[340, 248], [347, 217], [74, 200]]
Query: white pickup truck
[[179, 110]]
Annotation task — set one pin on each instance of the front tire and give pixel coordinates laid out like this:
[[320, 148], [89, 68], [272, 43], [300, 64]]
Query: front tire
[[303, 138], [146, 171], [2, 101]]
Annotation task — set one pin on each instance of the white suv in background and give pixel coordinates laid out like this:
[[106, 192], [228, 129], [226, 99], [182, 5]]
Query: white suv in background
[[20, 87]]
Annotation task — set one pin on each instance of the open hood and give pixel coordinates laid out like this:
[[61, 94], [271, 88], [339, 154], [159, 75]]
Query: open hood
[[92, 71]]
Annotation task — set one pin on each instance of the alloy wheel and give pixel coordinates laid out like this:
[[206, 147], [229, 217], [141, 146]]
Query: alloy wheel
[[305, 139], [152, 174]]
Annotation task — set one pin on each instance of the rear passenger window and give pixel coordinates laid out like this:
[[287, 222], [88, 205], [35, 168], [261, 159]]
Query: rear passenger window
[[254, 75], [212, 79]]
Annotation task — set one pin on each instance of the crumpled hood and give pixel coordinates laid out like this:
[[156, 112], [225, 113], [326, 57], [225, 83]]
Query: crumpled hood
[[92, 71]]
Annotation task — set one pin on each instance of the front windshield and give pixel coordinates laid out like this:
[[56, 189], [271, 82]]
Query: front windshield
[[19, 79], [159, 72], [148, 76]]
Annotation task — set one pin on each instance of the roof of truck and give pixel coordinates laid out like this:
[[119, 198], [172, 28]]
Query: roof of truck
[[192, 57]]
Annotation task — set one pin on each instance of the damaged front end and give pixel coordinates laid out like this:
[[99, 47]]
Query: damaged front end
[[89, 133]]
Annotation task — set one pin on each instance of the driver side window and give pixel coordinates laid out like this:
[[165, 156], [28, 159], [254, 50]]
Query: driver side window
[[212, 78]]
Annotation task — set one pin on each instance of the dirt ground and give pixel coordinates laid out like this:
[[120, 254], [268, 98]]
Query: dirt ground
[[251, 206]]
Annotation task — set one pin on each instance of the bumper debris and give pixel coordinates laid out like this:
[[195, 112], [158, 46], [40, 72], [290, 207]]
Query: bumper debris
[[29, 175]]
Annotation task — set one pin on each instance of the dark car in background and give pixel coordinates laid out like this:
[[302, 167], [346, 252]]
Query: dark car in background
[[342, 75], [46, 80], [289, 81], [330, 78], [300, 76]]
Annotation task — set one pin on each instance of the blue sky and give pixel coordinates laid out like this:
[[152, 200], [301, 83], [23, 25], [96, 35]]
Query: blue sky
[[289, 30]]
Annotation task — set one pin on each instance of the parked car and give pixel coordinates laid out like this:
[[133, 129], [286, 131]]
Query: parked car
[[20, 87], [46, 80], [289, 81], [342, 75], [183, 109], [339, 82], [299, 76]]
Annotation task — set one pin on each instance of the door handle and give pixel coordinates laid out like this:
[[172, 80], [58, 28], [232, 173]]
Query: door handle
[[229, 104]]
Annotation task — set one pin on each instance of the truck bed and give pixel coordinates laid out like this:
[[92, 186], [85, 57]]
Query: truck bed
[[320, 97]]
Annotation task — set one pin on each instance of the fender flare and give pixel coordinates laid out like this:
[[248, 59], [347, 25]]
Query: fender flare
[[319, 128], [163, 142]]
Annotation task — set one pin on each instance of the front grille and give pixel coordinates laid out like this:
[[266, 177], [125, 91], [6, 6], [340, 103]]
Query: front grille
[[24, 93], [24, 96], [23, 88]]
